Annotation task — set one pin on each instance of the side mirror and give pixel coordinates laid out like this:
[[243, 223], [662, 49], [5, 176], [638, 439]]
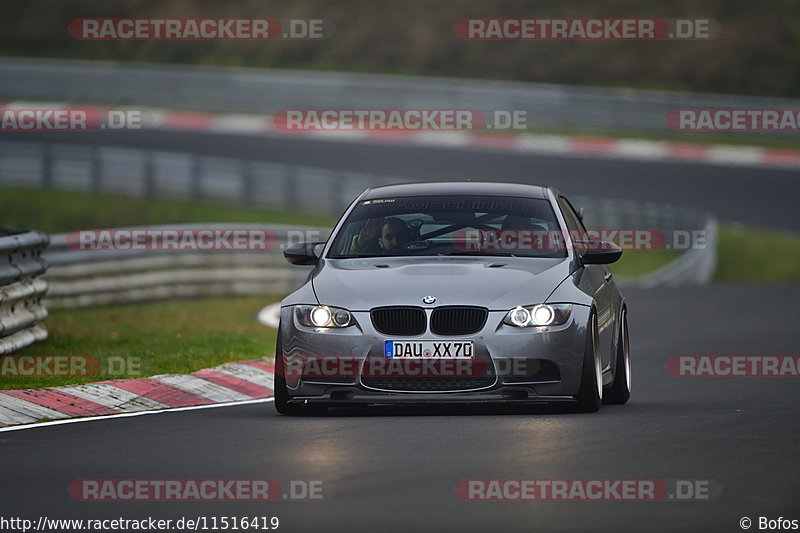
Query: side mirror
[[601, 253], [302, 253]]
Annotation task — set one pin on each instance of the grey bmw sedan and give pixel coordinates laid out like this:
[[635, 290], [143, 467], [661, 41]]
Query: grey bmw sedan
[[454, 292]]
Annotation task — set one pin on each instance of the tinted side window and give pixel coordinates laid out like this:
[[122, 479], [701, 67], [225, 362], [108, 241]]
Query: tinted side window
[[574, 223]]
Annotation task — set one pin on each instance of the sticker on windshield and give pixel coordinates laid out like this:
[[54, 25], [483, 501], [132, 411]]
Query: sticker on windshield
[[379, 201]]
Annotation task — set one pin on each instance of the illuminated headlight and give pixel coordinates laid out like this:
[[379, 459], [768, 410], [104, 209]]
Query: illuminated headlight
[[519, 316], [538, 315], [323, 316]]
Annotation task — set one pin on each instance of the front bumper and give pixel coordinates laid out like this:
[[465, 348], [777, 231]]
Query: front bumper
[[525, 365]]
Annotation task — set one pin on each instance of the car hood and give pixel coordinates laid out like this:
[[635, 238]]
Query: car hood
[[497, 283]]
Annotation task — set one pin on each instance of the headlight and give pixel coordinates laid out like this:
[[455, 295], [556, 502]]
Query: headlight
[[538, 315], [323, 316]]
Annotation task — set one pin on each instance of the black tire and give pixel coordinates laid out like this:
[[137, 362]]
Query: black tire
[[590, 394], [620, 390], [282, 404]]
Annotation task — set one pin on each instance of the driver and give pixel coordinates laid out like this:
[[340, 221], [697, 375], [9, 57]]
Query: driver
[[394, 236], [366, 242]]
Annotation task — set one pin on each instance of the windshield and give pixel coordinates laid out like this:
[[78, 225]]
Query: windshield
[[449, 225]]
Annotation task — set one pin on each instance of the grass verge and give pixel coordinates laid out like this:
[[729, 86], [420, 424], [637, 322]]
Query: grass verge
[[160, 338], [746, 254], [635, 263]]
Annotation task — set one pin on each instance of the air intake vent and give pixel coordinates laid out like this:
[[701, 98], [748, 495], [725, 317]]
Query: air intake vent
[[400, 321], [458, 320]]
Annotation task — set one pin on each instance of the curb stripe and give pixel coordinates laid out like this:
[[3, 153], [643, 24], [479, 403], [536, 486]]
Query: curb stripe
[[201, 387], [241, 124], [486, 140], [688, 151], [391, 135], [269, 366], [13, 417], [112, 396], [30, 410], [441, 138], [521, 142], [775, 156], [635, 149], [161, 392], [234, 383], [593, 145], [186, 120], [129, 415], [62, 402], [548, 144], [253, 374], [229, 383], [742, 155]]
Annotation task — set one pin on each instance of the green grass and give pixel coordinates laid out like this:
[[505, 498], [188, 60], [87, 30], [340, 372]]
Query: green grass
[[54, 211], [755, 255], [638, 262], [743, 255], [167, 337]]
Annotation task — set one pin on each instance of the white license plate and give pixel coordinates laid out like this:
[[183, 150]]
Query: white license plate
[[428, 349]]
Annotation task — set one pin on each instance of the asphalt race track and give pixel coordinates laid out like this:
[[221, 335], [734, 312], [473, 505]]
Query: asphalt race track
[[396, 469]]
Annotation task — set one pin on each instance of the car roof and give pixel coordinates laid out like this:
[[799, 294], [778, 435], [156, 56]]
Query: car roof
[[485, 188]]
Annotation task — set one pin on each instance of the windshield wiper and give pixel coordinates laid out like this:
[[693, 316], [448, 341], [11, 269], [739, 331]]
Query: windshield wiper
[[478, 253]]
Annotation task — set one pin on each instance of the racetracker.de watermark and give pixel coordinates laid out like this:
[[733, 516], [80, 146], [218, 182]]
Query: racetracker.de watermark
[[193, 29], [69, 119], [398, 120], [734, 366], [436, 362], [44, 366], [586, 489], [522, 240], [187, 239], [734, 119], [586, 29], [181, 490]]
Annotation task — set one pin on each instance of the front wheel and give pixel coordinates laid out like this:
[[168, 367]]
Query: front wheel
[[590, 395], [620, 390], [282, 404]]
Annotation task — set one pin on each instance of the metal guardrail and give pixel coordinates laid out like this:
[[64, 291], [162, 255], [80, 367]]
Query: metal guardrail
[[247, 90], [693, 267], [85, 278], [22, 289]]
